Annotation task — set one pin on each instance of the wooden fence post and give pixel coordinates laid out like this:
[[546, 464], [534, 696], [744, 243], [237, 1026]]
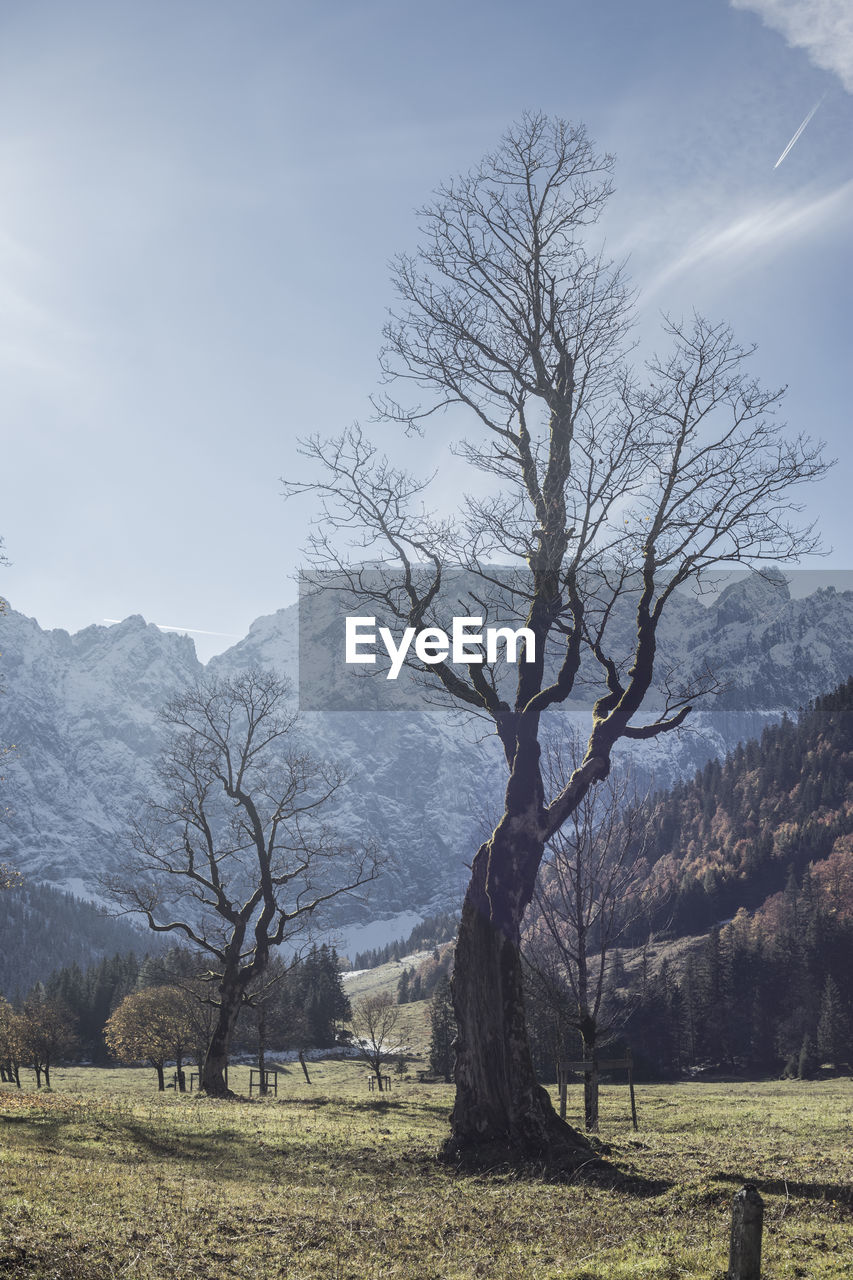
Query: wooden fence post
[[747, 1223], [563, 1082], [629, 1062]]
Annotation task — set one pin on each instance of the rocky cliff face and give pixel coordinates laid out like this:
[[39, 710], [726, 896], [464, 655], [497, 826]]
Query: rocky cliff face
[[82, 712]]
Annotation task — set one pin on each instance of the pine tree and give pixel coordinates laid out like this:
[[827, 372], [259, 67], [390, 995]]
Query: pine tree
[[442, 1030], [833, 1028]]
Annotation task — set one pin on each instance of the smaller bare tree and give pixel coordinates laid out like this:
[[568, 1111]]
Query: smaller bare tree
[[588, 898], [375, 1024], [263, 1009], [232, 852]]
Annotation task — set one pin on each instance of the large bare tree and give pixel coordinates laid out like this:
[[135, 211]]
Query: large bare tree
[[605, 484], [232, 852]]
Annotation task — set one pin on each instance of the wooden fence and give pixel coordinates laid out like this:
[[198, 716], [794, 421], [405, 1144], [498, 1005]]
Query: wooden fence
[[590, 1069]]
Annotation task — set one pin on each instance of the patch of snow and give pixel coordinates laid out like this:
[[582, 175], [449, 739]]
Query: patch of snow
[[377, 933]]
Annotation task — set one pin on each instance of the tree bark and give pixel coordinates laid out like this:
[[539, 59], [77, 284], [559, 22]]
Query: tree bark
[[589, 1034], [304, 1067], [501, 1113], [161, 1083], [216, 1060]]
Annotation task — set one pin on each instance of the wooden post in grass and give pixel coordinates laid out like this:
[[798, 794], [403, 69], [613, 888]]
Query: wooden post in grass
[[629, 1059], [747, 1224], [563, 1083]]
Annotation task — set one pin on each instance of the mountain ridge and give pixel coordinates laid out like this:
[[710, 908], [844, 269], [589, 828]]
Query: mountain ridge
[[82, 711]]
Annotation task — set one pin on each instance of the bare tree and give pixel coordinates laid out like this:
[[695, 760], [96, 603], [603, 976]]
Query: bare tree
[[610, 488], [233, 853], [12, 1046], [375, 1023], [588, 898], [262, 1003]]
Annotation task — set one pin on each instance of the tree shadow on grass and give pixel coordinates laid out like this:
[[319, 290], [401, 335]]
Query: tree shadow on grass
[[840, 1192], [229, 1150], [220, 1155], [594, 1172]]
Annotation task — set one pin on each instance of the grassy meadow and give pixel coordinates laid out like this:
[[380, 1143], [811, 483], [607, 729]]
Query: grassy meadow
[[106, 1178]]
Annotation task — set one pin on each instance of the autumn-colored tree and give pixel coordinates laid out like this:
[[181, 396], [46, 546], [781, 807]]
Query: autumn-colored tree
[[47, 1033], [185, 969], [11, 1044], [153, 1025]]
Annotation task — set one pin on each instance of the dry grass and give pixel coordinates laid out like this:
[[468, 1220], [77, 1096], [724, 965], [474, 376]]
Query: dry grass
[[105, 1178]]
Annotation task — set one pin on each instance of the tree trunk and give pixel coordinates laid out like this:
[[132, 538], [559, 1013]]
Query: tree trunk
[[501, 1113], [590, 1084], [216, 1060], [304, 1068], [47, 1074], [378, 1074], [589, 1036], [179, 1072], [161, 1083], [37, 1069]]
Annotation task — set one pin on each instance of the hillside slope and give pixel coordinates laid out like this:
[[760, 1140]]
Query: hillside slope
[[731, 836]]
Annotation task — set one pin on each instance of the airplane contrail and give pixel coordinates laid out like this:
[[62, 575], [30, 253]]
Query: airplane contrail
[[229, 635], [799, 131]]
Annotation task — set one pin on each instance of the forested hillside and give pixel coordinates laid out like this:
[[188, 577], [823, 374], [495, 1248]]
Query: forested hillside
[[731, 836], [43, 929], [756, 853], [764, 993]]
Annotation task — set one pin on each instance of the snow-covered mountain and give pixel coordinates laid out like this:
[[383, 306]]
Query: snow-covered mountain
[[82, 712]]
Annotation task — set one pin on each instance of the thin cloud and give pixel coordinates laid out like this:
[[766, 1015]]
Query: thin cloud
[[756, 231], [823, 28]]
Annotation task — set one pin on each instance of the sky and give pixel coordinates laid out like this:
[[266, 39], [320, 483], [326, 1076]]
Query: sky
[[199, 201]]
